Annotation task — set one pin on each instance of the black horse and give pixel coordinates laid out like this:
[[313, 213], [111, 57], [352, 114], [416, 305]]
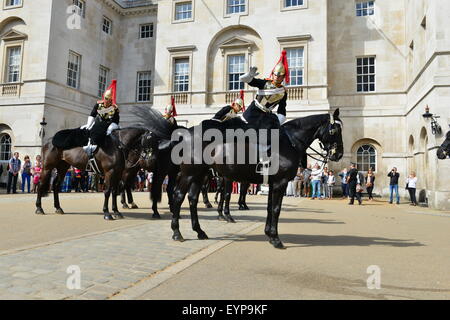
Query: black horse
[[296, 136], [110, 159], [444, 150]]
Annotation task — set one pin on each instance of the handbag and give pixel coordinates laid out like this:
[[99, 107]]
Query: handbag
[[359, 188]]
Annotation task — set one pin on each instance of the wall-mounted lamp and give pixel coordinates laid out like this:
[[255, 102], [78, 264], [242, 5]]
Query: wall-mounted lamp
[[42, 131], [435, 127]]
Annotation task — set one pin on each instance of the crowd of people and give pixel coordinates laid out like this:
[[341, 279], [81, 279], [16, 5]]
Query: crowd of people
[[313, 182]]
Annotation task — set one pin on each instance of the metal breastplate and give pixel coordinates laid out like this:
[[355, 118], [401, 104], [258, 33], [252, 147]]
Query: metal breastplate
[[267, 99], [106, 113]]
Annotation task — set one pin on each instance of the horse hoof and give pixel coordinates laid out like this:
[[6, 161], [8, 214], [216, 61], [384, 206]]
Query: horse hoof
[[125, 206], [208, 205], [59, 211], [134, 206], [246, 207], [108, 217], [156, 216], [39, 211], [118, 215], [202, 236], [277, 244], [178, 237], [230, 220]]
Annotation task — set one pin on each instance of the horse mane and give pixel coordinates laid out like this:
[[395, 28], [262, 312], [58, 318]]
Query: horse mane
[[308, 122]]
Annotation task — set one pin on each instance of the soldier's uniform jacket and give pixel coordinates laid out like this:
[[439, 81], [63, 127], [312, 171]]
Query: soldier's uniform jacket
[[172, 120], [109, 114], [269, 95], [225, 113]]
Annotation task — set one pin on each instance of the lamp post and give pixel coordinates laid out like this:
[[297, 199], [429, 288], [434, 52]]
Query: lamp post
[[42, 131], [435, 127]]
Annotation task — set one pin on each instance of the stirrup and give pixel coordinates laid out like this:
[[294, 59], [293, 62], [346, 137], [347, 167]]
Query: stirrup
[[92, 166]]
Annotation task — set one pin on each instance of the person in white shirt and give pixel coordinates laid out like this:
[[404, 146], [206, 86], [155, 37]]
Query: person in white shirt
[[316, 176], [330, 183], [411, 182]]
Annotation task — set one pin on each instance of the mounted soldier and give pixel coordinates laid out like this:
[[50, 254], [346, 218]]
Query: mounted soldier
[[171, 112], [104, 118], [229, 112], [271, 93]]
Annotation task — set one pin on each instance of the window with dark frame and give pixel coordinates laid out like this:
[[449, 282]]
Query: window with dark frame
[[103, 75], [293, 3], [146, 31], [235, 6], [14, 60], [144, 86], [236, 65], [73, 70], [366, 158], [107, 25], [365, 8], [183, 11], [5, 147], [296, 65], [181, 75], [13, 3], [79, 7], [365, 74]]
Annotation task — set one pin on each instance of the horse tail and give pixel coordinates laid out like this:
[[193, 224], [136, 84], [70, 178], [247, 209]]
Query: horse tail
[[154, 121]]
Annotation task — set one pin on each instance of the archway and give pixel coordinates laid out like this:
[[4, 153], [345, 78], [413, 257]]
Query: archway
[[238, 41]]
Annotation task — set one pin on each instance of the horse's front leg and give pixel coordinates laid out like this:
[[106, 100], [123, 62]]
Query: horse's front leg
[[62, 169], [277, 199], [178, 197], [42, 189], [269, 211], [242, 195], [115, 191], [227, 197], [107, 193], [204, 189], [194, 193], [130, 198]]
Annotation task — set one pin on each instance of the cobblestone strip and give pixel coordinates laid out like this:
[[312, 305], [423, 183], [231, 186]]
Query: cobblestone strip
[[109, 262]]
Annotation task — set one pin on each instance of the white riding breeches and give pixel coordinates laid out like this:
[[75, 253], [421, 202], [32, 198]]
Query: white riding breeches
[[113, 126]]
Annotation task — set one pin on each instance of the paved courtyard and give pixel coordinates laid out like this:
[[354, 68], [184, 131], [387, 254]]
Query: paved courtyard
[[330, 247]]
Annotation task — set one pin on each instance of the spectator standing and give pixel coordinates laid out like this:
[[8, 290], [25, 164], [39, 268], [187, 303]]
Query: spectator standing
[[165, 182], [316, 176], [67, 183], [77, 180], [298, 183], [331, 181], [352, 181], [141, 176], [13, 173], [323, 183], [37, 170], [26, 173], [393, 185], [149, 181], [343, 174], [411, 182], [370, 183], [290, 191], [307, 180]]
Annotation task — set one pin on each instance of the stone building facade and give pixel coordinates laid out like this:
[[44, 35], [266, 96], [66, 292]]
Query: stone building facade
[[381, 62]]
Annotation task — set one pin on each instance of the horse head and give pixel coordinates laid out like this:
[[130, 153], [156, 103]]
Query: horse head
[[444, 150], [330, 135]]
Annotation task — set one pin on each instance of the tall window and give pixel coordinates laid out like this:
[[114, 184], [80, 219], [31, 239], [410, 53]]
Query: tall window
[[235, 6], [181, 75], [14, 59], [365, 8], [183, 10], [13, 3], [365, 74], [293, 3], [366, 158], [73, 70], [144, 86], [235, 69], [103, 76], [79, 7], [107, 25], [5, 147], [146, 31], [296, 66]]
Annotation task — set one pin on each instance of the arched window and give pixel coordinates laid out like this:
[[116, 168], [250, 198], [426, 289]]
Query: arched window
[[366, 157], [5, 147]]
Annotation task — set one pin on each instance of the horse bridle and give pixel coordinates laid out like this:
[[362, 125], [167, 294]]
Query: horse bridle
[[331, 131]]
